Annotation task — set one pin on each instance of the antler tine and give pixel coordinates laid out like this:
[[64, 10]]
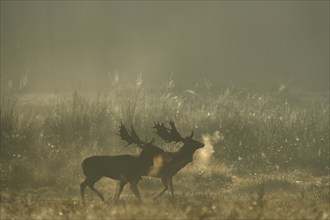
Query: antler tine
[[167, 134], [135, 138], [124, 134], [174, 132], [162, 132], [156, 125], [130, 136]]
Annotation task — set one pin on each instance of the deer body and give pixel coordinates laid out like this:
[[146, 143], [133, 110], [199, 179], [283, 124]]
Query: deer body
[[114, 167], [169, 163]]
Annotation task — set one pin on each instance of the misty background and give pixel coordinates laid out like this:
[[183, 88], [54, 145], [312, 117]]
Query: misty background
[[59, 45]]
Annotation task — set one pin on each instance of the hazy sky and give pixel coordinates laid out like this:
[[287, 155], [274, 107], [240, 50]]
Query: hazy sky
[[60, 44]]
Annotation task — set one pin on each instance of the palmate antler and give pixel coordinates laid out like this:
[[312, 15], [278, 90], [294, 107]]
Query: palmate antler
[[167, 134], [131, 137], [162, 132]]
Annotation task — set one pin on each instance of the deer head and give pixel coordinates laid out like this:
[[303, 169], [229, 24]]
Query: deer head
[[131, 137], [172, 134]]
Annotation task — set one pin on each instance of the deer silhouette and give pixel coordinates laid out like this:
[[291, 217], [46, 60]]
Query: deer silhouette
[[167, 164], [125, 168]]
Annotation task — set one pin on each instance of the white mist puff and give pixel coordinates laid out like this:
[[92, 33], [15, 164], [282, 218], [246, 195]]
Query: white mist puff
[[158, 163], [204, 155]]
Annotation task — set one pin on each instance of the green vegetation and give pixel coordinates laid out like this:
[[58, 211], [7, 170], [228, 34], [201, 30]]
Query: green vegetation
[[272, 160]]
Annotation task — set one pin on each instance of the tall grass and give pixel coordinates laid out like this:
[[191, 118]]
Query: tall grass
[[262, 130]]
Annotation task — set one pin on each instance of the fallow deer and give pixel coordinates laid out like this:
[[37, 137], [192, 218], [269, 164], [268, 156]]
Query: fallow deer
[[168, 164], [125, 168]]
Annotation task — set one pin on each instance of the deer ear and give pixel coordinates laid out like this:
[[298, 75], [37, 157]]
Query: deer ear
[[192, 134]]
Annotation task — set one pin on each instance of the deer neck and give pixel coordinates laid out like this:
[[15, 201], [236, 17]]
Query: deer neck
[[186, 152]]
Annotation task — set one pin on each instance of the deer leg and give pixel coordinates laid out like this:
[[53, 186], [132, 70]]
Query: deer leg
[[164, 190], [90, 183], [120, 188], [96, 191], [170, 183], [117, 190], [133, 185], [83, 186]]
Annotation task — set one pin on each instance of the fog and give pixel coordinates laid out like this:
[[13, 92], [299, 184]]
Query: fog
[[60, 45], [227, 102]]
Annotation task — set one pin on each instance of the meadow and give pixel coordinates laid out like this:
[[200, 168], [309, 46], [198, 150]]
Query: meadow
[[266, 154]]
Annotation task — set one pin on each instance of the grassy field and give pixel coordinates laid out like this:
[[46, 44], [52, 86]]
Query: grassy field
[[266, 153], [278, 195]]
